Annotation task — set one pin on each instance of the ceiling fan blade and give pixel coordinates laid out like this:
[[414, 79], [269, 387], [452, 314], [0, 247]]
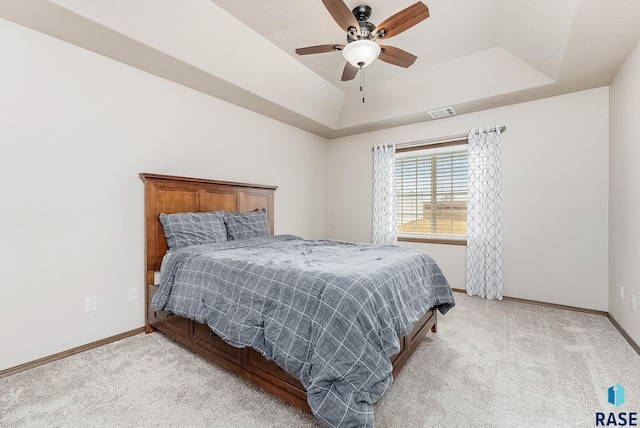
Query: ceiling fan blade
[[402, 20], [318, 49], [396, 56], [349, 72], [342, 14]]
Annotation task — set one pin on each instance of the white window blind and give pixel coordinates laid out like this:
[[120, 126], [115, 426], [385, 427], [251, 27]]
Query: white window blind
[[431, 189]]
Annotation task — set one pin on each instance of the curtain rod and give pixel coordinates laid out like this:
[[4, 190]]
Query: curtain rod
[[445, 139], [494, 129]]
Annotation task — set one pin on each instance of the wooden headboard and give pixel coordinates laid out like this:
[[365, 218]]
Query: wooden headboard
[[169, 194]]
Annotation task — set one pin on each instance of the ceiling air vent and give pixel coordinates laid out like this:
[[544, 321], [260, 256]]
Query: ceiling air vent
[[443, 112]]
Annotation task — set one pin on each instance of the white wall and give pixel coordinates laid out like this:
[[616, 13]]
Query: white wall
[[75, 130], [555, 181], [624, 202]]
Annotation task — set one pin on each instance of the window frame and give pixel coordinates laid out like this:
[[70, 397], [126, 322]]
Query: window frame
[[433, 238]]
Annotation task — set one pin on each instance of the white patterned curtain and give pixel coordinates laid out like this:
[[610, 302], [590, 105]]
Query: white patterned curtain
[[484, 217], [384, 195]]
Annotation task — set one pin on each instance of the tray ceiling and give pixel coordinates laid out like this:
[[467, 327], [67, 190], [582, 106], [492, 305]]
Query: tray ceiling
[[472, 54]]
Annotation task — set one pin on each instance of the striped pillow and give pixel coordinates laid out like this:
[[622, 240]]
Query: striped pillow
[[185, 229], [246, 225]]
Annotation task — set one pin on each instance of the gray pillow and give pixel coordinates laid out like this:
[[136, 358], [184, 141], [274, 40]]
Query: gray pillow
[[247, 225], [184, 229]]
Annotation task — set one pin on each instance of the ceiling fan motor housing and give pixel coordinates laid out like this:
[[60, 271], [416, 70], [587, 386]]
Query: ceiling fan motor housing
[[362, 14]]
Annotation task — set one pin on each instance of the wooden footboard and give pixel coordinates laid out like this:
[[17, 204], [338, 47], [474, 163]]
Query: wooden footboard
[[250, 364]]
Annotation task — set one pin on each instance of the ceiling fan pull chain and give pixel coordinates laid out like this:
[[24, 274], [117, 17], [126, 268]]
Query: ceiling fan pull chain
[[362, 80]]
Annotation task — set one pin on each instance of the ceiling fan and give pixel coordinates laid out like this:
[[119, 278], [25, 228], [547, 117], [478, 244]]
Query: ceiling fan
[[362, 47]]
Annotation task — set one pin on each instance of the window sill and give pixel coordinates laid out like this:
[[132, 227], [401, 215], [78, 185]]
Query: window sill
[[433, 240]]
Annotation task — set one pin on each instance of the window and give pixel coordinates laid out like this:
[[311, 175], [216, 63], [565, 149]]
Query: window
[[431, 190]]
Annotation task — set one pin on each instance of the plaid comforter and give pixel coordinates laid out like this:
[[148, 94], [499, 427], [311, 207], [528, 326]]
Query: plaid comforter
[[328, 312]]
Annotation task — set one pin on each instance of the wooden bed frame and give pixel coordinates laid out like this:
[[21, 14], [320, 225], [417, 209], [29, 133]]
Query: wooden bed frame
[[169, 194]]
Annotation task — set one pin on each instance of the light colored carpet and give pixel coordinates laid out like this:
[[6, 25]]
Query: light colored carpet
[[492, 364]]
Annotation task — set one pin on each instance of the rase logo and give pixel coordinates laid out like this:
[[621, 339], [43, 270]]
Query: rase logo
[[615, 396]]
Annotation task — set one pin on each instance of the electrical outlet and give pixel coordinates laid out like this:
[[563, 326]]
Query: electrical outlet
[[621, 293], [91, 304], [133, 294], [633, 302]]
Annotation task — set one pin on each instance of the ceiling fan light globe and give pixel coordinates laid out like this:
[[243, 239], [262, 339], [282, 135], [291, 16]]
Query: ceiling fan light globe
[[361, 52]]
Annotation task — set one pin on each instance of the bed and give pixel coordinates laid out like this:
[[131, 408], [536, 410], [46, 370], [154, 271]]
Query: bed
[[256, 360]]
